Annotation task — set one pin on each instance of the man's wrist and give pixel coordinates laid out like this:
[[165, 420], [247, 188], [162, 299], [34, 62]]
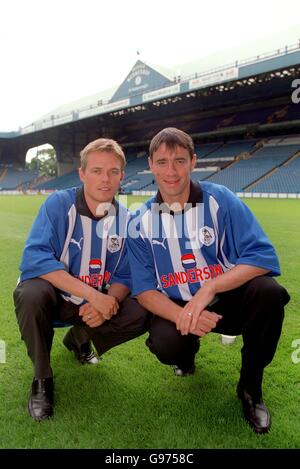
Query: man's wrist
[[91, 294], [210, 287], [177, 314]]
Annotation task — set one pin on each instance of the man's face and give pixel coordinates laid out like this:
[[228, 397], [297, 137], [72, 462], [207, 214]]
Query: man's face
[[101, 177], [172, 168]]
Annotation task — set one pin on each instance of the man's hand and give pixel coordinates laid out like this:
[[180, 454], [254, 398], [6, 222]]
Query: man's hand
[[105, 304], [189, 318], [90, 315], [206, 323]]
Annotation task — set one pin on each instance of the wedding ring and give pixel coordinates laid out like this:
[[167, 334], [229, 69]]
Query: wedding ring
[[89, 317], [190, 314]]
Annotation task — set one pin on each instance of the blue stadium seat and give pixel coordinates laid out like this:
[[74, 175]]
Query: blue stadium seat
[[245, 172], [17, 177]]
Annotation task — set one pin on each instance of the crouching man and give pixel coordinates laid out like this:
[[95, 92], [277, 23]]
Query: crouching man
[[75, 269]]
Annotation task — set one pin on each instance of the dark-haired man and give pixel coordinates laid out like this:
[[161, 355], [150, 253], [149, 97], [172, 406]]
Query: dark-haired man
[[201, 263]]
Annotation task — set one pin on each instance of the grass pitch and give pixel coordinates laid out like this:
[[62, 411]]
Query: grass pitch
[[130, 400]]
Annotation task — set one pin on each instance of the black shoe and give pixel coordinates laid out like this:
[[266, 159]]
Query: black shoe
[[256, 412], [40, 404], [184, 371], [84, 353]]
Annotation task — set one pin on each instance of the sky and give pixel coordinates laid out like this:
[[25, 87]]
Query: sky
[[54, 52]]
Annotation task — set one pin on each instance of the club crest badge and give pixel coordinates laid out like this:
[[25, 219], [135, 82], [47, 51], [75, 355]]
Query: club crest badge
[[114, 243], [207, 235]]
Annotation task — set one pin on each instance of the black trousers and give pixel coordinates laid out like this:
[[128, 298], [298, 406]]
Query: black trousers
[[38, 304], [254, 310]]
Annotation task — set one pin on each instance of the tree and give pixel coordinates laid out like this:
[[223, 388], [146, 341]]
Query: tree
[[45, 162]]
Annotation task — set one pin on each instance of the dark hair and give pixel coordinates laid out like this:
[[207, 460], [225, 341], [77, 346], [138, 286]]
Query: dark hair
[[172, 138]]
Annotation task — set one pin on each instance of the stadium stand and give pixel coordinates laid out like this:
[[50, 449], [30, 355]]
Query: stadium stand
[[284, 179], [203, 151], [230, 164], [14, 178], [243, 116], [231, 149], [201, 175], [61, 182], [243, 173], [3, 172], [139, 182]]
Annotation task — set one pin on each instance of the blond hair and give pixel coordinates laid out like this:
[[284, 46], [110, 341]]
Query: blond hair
[[101, 145]]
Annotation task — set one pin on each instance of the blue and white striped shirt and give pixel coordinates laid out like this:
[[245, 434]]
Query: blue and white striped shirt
[[176, 252], [66, 236]]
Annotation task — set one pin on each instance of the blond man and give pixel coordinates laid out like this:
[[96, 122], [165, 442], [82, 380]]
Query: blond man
[[74, 269]]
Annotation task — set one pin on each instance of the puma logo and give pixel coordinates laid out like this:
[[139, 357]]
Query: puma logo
[[76, 242], [160, 243]]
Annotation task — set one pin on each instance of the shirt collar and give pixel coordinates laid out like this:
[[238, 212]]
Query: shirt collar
[[195, 197], [83, 209]]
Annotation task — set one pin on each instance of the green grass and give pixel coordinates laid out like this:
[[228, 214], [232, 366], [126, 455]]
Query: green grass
[[130, 400]]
